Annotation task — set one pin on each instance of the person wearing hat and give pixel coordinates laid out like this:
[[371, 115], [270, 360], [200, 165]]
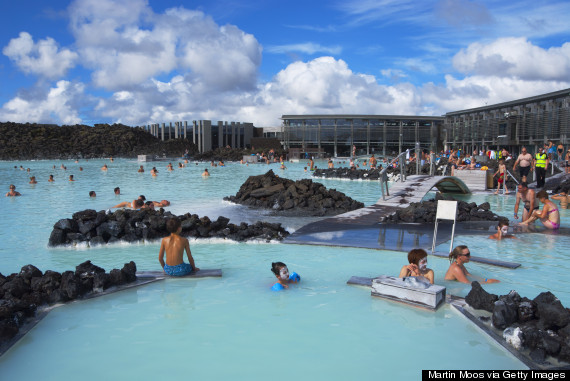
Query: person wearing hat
[[540, 164]]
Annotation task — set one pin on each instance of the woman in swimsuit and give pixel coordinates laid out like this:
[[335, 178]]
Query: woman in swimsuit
[[418, 266], [549, 215], [457, 270]]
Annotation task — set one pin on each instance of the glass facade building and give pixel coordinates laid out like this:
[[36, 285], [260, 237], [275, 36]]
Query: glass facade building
[[334, 135]]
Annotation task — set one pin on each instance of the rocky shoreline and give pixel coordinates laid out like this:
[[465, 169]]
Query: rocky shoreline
[[100, 228], [41, 141], [540, 325], [24, 292], [288, 197]]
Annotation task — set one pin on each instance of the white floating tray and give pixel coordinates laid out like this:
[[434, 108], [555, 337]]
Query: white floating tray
[[408, 290]]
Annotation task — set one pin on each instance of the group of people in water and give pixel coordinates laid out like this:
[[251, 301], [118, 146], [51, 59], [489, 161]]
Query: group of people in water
[[417, 267]]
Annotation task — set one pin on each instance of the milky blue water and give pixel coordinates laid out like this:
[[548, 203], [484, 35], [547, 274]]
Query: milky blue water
[[234, 326]]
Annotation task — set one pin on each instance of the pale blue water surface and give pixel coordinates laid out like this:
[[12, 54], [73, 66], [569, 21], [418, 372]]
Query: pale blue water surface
[[234, 326]]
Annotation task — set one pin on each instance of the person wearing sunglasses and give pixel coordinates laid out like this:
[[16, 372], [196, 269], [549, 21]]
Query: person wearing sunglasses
[[457, 271]]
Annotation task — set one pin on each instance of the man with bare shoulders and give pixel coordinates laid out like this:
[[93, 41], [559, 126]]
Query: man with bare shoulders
[[524, 162], [457, 270], [174, 246], [528, 197], [373, 162], [12, 192]]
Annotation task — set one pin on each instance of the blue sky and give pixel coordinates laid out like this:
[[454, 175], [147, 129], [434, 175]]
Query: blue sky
[[148, 61]]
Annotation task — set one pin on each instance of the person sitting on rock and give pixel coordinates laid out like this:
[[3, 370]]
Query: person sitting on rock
[[417, 267], [174, 246], [283, 278], [12, 192], [457, 271], [502, 231]]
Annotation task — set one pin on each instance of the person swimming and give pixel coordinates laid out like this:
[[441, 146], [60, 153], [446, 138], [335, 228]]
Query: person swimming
[[417, 267], [206, 173], [12, 192], [502, 231], [457, 271], [283, 278]]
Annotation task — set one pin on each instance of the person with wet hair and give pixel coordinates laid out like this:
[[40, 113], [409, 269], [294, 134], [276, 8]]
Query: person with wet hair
[[174, 246], [417, 267], [502, 231], [12, 192], [457, 271], [281, 272]]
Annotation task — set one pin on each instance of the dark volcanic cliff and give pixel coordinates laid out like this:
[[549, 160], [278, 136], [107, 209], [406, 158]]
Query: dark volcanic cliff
[[41, 141]]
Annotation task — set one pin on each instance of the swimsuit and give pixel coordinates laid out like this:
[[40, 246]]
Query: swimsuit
[[178, 270], [500, 179]]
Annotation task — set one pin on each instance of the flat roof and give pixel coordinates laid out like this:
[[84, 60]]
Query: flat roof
[[536, 98], [357, 116]]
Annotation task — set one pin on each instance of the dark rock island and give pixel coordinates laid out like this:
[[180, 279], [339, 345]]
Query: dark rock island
[[22, 293], [99, 228], [425, 211], [300, 198], [540, 325]]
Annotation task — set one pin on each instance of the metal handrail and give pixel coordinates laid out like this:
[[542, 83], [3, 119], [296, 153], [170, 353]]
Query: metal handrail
[[512, 177]]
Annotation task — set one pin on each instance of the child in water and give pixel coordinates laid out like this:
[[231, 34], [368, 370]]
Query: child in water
[[417, 267], [283, 278]]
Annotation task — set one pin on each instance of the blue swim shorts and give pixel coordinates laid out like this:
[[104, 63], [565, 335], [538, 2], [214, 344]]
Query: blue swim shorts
[[178, 270]]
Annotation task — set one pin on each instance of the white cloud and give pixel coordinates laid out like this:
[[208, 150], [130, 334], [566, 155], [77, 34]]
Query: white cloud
[[307, 47], [515, 57], [56, 105], [43, 58], [126, 43]]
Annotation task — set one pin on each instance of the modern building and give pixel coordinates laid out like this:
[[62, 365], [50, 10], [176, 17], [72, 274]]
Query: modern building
[[526, 122], [340, 135], [205, 135], [529, 121]]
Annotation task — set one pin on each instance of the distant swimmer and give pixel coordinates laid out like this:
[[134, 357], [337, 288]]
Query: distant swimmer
[[92, 194], [12, 192], [117, 191], [502, 231], [180, 165], [104, 167], [169, 167], [564, 199], [161, 204], [33, 180], [154, 171], [457, 271], [51, 179], [80, 169], [283, 166], [281, 272], [417, 267], [549, 215], [141, 169], [71, 178], [206, 173], [174, 247]]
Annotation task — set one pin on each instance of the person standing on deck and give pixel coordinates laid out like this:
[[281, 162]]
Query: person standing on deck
[[540, 164]]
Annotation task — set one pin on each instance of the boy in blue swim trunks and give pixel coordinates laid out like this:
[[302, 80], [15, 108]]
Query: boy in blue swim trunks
[[174, 245]]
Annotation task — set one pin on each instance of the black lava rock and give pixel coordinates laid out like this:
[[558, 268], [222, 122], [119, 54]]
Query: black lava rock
[[480, 299]]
